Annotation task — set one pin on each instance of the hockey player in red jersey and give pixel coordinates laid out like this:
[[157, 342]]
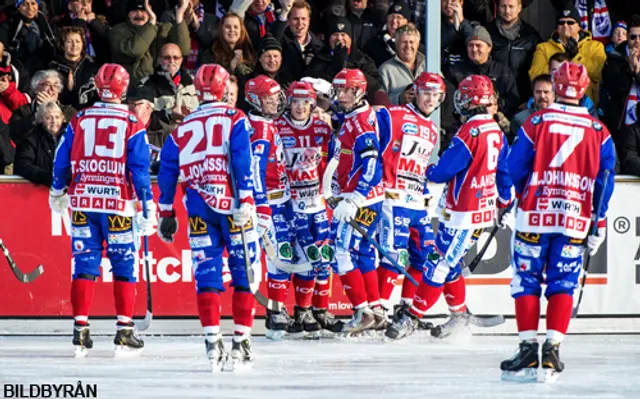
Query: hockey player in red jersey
[[407, 138], [359, 179], [272, 192], [209, 147], [104, 153], [475, 170], [306, 139], [558, 167]]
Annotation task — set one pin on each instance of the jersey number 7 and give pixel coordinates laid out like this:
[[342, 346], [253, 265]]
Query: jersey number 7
[[574, 137]]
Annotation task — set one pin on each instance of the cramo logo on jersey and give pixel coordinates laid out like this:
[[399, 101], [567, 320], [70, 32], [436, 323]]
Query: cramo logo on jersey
[[101, 166], [560, 178]]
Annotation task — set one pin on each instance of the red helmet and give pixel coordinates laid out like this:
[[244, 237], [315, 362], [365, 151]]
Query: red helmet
[[211, 82], [260, 87], [112, 81], [473, 90], [301, 90], [429, 81], [570, 80], [351, 79]]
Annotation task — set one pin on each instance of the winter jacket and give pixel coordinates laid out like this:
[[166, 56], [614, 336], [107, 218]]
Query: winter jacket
[[208, 57], [325, 66], [629, 150], [453, 41], [500, 74], [382, 48], [516, 53], [252, 25], [10, 100], [294, 57], [167, 95], [617, 78], [590, 54], [395, 76], [83, 72], [13, 36], [136, 47], [363, 28], [485, 11], [97, 32], [23, 120], [34, 156]]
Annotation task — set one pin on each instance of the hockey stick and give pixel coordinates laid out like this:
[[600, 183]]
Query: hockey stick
[[476, 261], [146, 323], [594, 231], [22, 277], [254, 286]]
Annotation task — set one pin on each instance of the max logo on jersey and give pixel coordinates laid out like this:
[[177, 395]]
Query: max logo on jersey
[[410, 128], [119, 223]]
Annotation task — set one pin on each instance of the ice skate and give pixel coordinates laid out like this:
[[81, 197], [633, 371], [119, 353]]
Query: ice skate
[[551, 364], [216, 353], [401, 308], [403, 327], [523, 366], [362, 319], [304, 324], [328, 321], [457, 323], [127, 341], [277, 324], [81, 340], [241, 357], [381, 319]]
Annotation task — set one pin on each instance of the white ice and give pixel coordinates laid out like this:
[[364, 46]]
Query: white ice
[[176, 367]]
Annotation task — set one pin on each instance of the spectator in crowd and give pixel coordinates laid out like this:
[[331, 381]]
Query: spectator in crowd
[[116, 10], [514, 42], [478, 62], [570, 39], [261, 17], [299, 44], [484, 11], [74, 65], [34, 155], [10, 100], [454, 30], [157, 123], [94, 28], [232, 48], [593, 17], [543, 96], [365, 21], [339, 54], [19, 73], [621, 81], [232, 91], [618, 36], [629, 149], [171, 85], [28, 36], [46, 86], [136, 42], [203, 29], [405, 66], [382, 47]]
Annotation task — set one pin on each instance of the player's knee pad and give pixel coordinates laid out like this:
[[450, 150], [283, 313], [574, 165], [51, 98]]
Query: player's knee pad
[[278, 275], [84, 276], [344, 262]]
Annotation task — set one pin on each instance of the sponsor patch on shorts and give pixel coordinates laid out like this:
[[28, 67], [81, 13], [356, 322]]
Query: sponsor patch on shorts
[[532, 251], [80, 232], [121, 238], [572, 251], [200, 242]]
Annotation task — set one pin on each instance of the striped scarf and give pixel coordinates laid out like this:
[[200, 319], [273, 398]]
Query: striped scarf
[[600, 20], [265, 19], [630, 114]]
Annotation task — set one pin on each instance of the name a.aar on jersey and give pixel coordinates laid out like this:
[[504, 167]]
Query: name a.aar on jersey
[[561, 178], [99, 166]]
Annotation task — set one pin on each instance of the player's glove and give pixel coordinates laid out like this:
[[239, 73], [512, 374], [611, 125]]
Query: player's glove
[[242, 215], [594, 241], [167, 225], [147, 224], [504, 209], [265, 223], [58, 200], [347, 209]]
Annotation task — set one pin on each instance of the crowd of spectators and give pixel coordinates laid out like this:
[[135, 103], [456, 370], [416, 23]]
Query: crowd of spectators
[[51, 49]]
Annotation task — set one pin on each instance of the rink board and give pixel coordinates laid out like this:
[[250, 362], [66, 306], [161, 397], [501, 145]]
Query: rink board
[[35, 235]]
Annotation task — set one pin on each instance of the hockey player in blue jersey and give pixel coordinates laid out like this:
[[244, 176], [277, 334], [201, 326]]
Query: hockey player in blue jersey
[[203, 151], [104, 153]]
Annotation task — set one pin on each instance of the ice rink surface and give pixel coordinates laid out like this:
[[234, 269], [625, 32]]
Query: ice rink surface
[[176, 367]]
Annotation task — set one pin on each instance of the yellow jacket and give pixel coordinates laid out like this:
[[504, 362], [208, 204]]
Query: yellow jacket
[[590, 54]]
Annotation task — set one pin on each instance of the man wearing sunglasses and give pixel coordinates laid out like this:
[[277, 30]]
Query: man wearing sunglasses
[[621, 82], [577, 44]]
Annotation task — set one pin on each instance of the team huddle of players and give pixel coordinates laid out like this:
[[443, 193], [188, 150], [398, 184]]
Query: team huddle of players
[[283, 179]]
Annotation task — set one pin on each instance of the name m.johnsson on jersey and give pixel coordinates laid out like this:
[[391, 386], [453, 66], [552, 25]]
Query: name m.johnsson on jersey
[[561, 178]]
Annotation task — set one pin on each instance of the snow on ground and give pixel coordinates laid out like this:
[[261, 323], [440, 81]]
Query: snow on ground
[[176, 367]]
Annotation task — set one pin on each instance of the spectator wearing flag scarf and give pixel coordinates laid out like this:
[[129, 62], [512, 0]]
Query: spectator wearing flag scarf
[[595, 19], [261, 16]]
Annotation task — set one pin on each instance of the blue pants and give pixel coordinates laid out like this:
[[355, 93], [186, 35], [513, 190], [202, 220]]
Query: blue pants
[[89, 230], [445, 263], [352, 250], [555, 256], [407, 236], [209, 233], [314, 237]]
